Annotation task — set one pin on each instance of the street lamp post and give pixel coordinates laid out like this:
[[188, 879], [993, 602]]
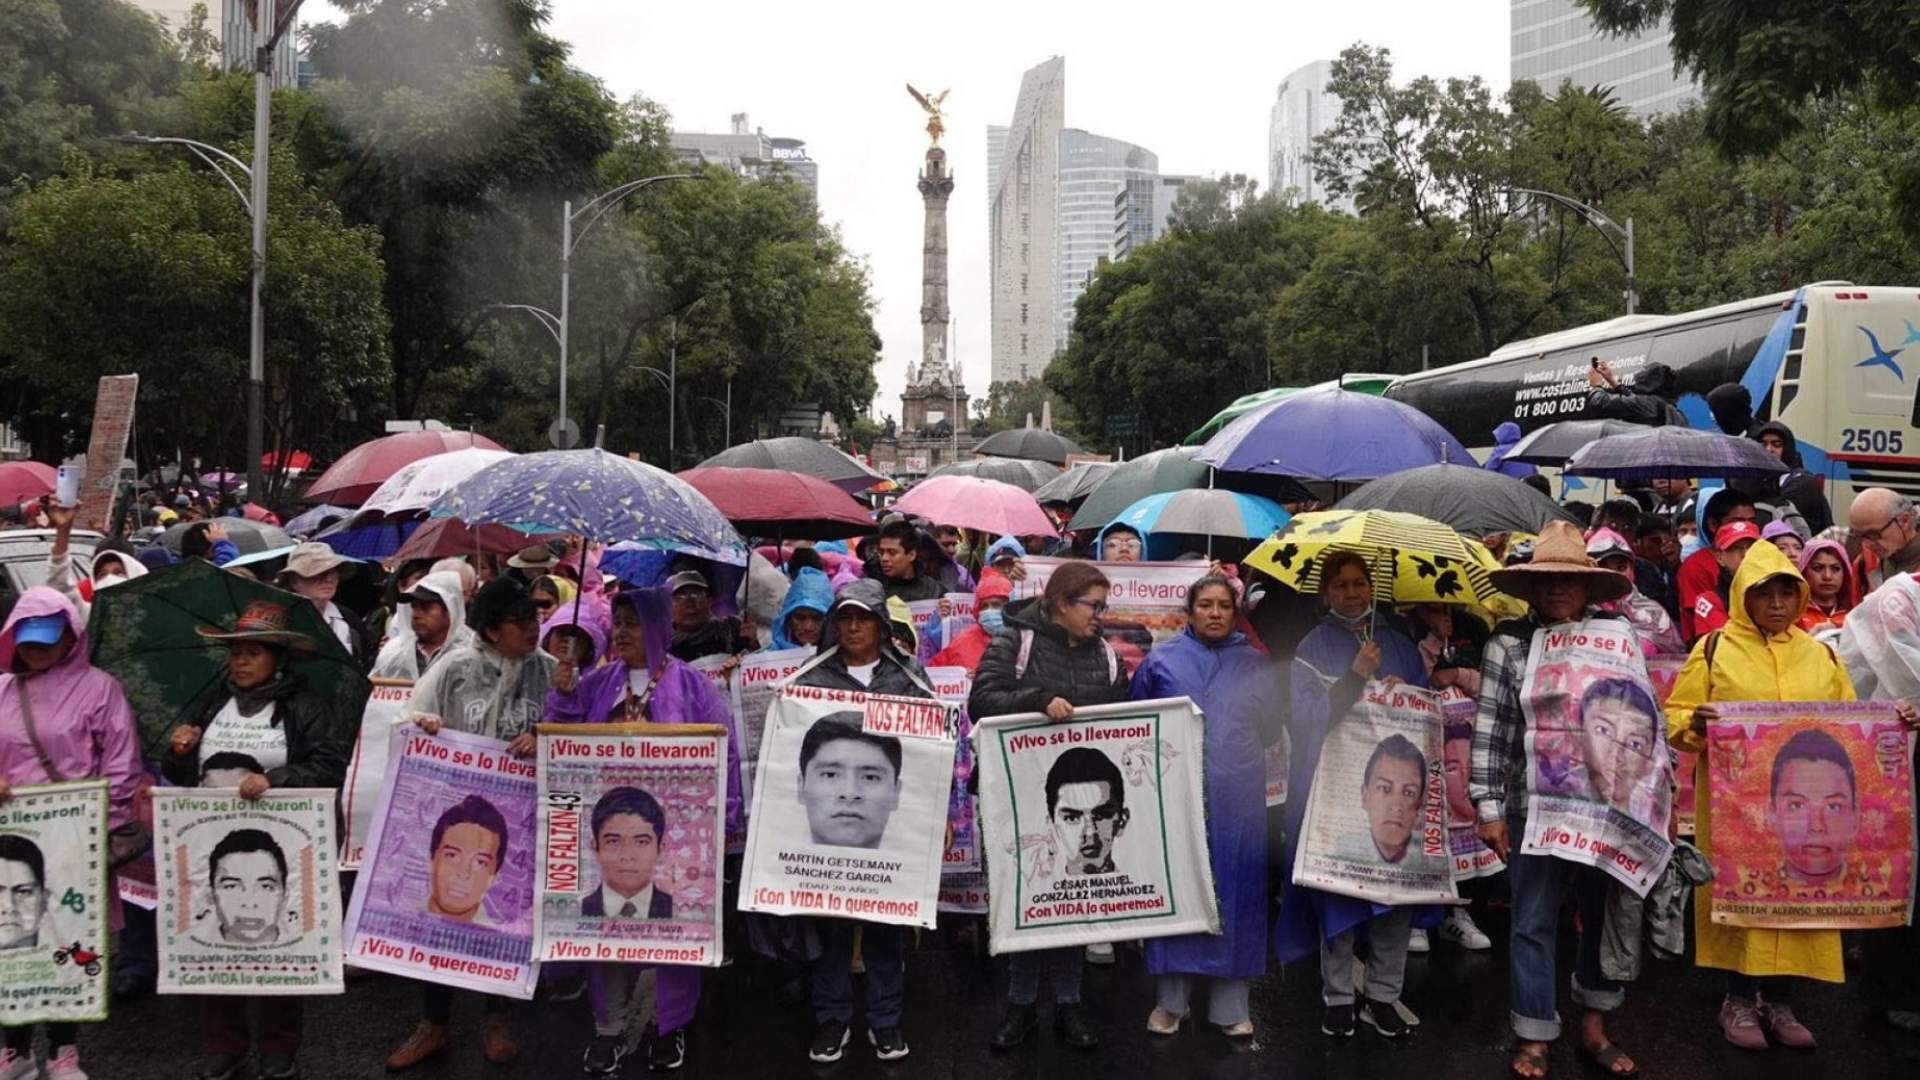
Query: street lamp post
[[1602, 222]]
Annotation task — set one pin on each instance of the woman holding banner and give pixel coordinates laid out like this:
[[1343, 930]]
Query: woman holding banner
[[1051, 659], [1352, 646], [1239, 690], [61, 719]]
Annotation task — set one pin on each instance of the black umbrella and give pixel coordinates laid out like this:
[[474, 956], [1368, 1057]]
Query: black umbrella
[[1073, 485], [1471, 500], [1172, 469], [1555, 443], [793, 453], [1025, 475], [1030, 443], [251, 537]]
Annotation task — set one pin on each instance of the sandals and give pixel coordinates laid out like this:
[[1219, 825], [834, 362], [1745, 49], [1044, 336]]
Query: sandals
[[1607, 1056], [1533, 1055]]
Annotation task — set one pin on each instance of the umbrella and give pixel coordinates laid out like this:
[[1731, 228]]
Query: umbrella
[[1130, 481], [792, 506], [1467, 498], [595, 495], [224, 478], [21, 481], [1414, 560], [1331, 434], [145, 633], [1025, 475], [1073, 485], [372, 540], [1028, 444], [793, 453], [414, 487], [316, 519], [970, 502], [1555, 443], [1361, 384], [361, 470], [1200, 512], [297, 461], [1674, 452], [251, 537], [253, 511], [444, 538]]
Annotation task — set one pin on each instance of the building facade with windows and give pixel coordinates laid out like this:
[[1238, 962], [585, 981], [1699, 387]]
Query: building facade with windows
[[1095, 171], [1302, 111], [1023, 248], [1553, 42], [749, 152]]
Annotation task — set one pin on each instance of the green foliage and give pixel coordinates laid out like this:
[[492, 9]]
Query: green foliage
[[1010, 402]]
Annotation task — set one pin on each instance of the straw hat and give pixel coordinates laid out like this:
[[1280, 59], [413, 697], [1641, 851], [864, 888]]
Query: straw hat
[[1561, 550], [537, 557], [266, 622]]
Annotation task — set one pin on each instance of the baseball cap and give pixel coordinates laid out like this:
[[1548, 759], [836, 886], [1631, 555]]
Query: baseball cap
[[1605, 543], [40, 630], [1733, 532], [687, 579], [420, 594]]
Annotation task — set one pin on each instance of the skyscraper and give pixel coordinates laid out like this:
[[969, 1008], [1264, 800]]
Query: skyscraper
[[1142, 209], [1094, 171], [1023, 249], [1553, 41], [1303, 110]]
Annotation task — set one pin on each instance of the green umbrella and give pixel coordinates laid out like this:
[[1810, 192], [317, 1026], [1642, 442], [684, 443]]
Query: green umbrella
[[145, 632]]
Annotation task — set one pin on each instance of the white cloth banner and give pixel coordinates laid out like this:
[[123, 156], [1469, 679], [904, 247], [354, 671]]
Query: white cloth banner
[[360, 795], [53, 915], [756, 681]]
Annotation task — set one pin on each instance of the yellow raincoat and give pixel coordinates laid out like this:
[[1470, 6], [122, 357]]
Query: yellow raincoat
[[1749, 667]]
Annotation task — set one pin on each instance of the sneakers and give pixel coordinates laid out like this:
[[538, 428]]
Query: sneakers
[[1073, 1026], [1337, 1021], [1417, 941], [1162, 1022], [888, 1044], [829, 1042], [18, 1064], [604, 1055], [1740, 1023], [1014, 1027], [65, 1064], [278, 1066], [1384, 1018], [428, 1039], [216, 1067], [1241, 1030], [1101, 954], [1784, 1028], [496, 1038], [668, 1052], [1459, 929]]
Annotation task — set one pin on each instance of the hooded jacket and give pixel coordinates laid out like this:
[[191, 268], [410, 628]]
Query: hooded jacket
[[1083, 672], [1505, 437], [592, 621], [474, 688], [810, 591], [319, 741], [79, 713], [60, 576], [1751, 666], [1648, 399], [1813, 618], [399, 658], [895, 674], [1799, 487], [969, 645]]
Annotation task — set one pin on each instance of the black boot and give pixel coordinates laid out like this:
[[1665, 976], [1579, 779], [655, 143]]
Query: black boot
[[1071, 1024], [1014, 1027]]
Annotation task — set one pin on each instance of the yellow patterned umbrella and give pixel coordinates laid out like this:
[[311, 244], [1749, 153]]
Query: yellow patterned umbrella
[[1413, 559]]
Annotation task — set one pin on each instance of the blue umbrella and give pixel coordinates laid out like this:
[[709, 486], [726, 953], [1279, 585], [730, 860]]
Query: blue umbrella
[[372, 540], [1164, 520], [1332, 435], [595, 495], [316, 519]]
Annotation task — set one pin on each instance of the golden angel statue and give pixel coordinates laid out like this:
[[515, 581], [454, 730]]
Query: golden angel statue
[[931, 103]]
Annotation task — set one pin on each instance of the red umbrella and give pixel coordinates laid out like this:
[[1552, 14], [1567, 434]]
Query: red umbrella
[[21, 481], [789, 505], [974, 503], [298, 461], [255, 512], [444, 538], [361, 470]]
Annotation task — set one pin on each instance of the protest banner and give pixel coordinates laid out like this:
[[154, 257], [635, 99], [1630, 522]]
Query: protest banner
[[367, 774], [850, 817], [964, 894], [757, 680], [1664, 671], [53, 919], [113, 409], [632, 843], [718, 669], [1095, 827], [1147, 603], [445, 893], [1812, 815], [1599, 777], [1376, 820], [1472, 858], [924, 612], [962, 856], [249, 891]]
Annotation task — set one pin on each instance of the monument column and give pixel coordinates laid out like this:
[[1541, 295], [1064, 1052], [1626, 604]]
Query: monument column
[[936, 184]]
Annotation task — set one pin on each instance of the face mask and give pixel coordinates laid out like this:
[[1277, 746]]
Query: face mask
[[1690, 547], [1351, 622], [992, 621], [105, 580]]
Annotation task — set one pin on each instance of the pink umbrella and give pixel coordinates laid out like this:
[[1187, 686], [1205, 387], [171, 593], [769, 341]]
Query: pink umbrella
[[361, 470], [21, 481], [971, 502]]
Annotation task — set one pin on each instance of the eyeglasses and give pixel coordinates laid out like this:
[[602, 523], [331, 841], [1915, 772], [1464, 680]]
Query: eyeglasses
[[1873, 535], [1123, 543], [691, 596], [1098, 607]]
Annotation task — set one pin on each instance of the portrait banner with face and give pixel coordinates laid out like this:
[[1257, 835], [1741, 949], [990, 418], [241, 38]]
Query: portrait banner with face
[[367, 774], [446, 893], [53, 897], [1600, 779], [633, 823], [850, 815], [757, 680], [249, 892], [1472, 858], [1146, 605], [962, 856], [1376, 820], [1664, 671], [1095, 828], [1812, 815], [923, 612]]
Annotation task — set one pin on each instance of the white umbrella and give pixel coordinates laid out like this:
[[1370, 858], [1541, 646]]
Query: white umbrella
[[416, 486]]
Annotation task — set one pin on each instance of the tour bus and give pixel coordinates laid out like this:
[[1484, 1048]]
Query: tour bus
[[1828, 360]]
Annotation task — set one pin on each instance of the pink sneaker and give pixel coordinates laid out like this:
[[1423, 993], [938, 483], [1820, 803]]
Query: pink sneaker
[[1785, 1028], [15, 1065], [1740, 1023], [65, 1064]]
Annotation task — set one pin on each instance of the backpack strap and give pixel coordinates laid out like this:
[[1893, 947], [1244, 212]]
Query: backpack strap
[[1113, 661], [1713, 644], [1026, 653]]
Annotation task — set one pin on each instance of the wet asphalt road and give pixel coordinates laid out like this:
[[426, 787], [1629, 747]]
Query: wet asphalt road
[[953, 1005]]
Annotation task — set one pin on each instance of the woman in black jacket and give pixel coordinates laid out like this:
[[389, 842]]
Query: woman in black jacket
[[1050, 658]]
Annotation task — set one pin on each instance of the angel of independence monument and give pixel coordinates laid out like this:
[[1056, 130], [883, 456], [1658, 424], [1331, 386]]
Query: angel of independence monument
[[935, 400]]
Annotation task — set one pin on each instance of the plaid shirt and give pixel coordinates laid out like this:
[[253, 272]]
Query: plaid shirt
[[1497, 783]]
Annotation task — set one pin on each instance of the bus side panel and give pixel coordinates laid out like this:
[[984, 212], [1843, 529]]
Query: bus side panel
[[1862, 368]]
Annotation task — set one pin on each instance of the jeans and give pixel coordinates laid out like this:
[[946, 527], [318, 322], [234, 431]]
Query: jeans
[[20, 1039], [138, 957], [224, 1020], [612, 988], [1023, 975], [436, 1004], [1538, 883], [1890, 965], [1227, 1003], [882, 947], [1386, 965]]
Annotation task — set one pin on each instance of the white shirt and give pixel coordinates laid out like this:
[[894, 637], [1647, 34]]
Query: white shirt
[[338, 624], [863, 673], [613, 903], [256, 736]]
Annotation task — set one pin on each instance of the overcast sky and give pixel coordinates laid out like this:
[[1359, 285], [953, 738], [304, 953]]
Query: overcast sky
[[1192, 83]]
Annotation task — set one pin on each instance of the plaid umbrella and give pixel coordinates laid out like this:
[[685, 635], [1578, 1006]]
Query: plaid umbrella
[[1412, 559], [1674, 452]]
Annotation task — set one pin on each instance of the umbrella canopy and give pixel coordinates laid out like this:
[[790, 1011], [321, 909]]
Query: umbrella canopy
[[1466, 498], [361, 470], [370, 540], [445, 538], [1555, 443], [1128, 482], [251, 537], [314, 520], [793, 453], [1413, 560], [1199, 512], [794, 506], [1659, 452], [1332, 434], [1023, 474], [145, 632], [1359, 384], [595, 495], [971, 502], [415, 486], [24, 480], [1029, 444], [1073, 485], [224, 478]]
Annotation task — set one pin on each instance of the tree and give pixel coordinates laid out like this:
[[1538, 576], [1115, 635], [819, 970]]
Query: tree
[[1010, 403]]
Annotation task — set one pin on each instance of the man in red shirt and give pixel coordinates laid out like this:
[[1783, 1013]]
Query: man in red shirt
[[1703, 594]]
